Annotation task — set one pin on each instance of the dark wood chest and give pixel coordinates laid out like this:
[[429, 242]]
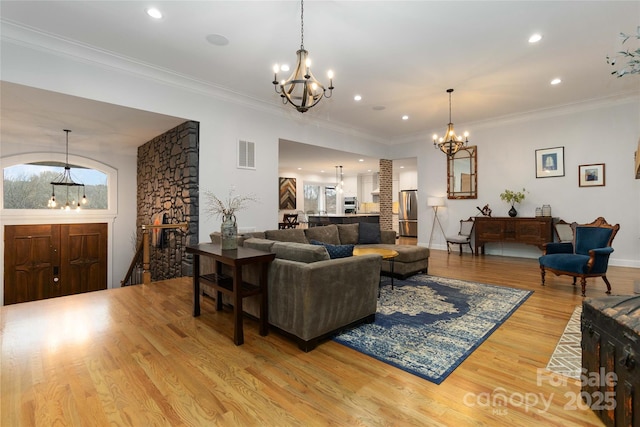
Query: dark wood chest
[[611, 358], [531, 231]]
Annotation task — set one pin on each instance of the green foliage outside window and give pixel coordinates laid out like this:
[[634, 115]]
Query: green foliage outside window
[[30, 188]]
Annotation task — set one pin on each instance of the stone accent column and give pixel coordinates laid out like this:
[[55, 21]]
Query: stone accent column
[[386, 194], [167, 183]]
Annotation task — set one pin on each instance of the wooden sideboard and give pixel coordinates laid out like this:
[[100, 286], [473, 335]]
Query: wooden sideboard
[[532, 231]]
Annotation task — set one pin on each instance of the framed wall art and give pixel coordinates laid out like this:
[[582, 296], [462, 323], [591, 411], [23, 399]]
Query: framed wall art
[[591, 175], [287, 193], [550, 162]]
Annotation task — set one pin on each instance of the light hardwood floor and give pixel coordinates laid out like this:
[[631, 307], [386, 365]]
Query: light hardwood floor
[[136, 356]]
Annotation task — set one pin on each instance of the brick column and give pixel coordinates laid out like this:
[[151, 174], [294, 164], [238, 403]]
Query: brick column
[[386, 194]]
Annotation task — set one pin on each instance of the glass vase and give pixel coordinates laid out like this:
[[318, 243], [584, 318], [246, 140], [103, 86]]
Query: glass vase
[[229, 232]]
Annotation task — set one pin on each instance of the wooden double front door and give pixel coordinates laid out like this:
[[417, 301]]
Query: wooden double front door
[[45, 261]]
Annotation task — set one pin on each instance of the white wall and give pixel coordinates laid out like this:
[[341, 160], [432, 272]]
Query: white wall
[[599, 132], [222, 123]]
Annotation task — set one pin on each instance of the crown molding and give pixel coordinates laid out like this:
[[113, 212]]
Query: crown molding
[[543, 113]]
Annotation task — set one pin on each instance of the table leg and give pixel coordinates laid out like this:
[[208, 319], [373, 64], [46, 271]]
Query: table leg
[[392, 260], [218, 268], [264, 301], [238, 333], [196, 285]]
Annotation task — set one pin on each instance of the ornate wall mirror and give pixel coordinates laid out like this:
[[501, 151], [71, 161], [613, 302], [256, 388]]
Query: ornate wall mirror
[[462, 174]]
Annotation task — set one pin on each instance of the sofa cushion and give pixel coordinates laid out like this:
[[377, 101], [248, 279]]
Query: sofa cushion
[[406, 253], [256, 234], [336, 251], [566, 262], [259, 244], [327, 234], [388, 237], [368, 233], [301, 252], [295, 235], [216, 237], [348, 233]]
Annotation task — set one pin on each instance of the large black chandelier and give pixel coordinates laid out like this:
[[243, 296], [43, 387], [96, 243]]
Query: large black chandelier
[[450, 143], [301, 89], [66, 181]]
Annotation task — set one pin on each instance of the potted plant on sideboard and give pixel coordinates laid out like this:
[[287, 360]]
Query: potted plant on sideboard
[[513, 197]]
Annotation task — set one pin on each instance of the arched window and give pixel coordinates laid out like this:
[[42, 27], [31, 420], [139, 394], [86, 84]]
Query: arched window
[[27, 184]]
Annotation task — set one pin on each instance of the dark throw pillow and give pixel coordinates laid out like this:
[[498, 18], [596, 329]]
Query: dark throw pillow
[[368, 233], [348, 233], [336, 251]]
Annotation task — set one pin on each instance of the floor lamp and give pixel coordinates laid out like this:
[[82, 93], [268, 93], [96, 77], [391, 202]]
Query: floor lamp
[[435, 203]]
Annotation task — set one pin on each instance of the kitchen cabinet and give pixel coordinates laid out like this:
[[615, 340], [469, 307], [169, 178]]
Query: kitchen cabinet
[[368, 183]]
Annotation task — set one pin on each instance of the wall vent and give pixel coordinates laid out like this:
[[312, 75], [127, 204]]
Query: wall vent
[[246, 155]]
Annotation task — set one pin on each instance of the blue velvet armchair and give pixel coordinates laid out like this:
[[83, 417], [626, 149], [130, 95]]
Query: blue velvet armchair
[[586, 256]]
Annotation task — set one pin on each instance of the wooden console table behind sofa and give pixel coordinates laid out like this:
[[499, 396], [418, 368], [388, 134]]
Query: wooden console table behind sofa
[[532, 231]]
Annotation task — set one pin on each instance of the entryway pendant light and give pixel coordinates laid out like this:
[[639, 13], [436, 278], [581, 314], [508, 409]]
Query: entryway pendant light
[[301, 89], [65, 180], [450, 143], [339, 179]]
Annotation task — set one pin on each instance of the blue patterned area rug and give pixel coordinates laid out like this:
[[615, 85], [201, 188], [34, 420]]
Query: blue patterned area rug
[[428, 325]]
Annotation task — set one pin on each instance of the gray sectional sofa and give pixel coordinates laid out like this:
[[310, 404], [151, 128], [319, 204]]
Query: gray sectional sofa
[[411, 259], [312, 296]]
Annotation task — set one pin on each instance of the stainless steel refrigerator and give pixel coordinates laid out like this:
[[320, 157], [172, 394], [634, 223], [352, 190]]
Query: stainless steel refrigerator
[[408, 213]]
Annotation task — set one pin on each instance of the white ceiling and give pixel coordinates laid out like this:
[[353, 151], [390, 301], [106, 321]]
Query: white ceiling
[[39, 117], [400, 56]]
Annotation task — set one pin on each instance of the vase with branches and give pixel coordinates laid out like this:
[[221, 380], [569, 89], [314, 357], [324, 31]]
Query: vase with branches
[[226, 209]]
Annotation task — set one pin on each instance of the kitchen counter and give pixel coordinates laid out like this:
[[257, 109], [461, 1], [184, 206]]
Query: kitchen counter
[[316, 220]]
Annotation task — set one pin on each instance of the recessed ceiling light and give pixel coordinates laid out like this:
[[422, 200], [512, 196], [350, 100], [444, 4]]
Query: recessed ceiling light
[[154, 13], [217, 39], [284, 67], [357, 98], [361, 160], [556, 81], [401, 167], [535, 38], [299, 169], [405, 117]]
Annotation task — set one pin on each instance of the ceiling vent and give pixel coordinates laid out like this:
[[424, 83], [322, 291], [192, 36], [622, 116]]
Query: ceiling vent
[[246, 155]]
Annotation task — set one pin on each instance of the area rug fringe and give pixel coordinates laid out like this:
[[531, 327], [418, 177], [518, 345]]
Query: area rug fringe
[[429, 325]]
